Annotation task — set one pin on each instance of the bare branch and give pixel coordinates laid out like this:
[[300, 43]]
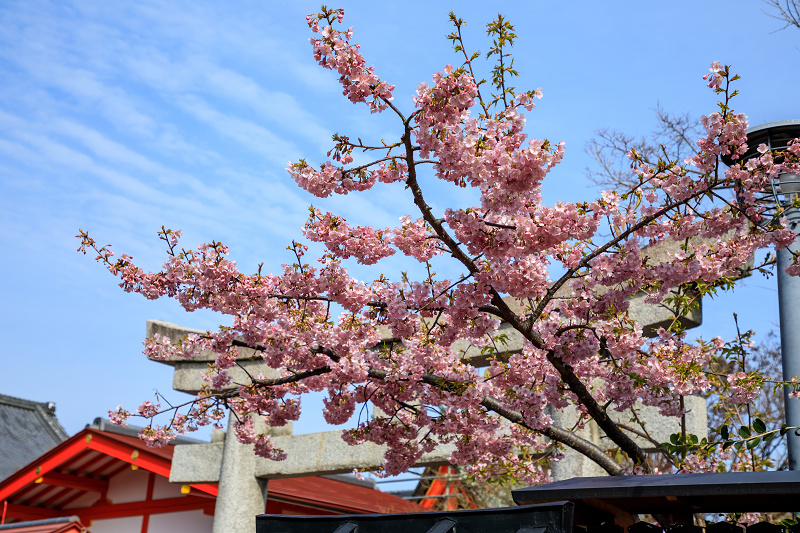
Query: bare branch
[[672, 140], [787, 11]]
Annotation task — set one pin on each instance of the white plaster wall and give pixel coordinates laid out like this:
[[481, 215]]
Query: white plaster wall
[[131, 486], [84, 501], [128, 486], [164, 489], [194, 521], [131, 524]]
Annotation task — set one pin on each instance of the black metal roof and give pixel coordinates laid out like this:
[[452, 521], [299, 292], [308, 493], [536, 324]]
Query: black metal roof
[[27, 430], [675, 493], [549, 518]]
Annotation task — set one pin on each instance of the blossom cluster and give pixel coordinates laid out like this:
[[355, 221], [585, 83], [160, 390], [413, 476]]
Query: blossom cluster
[[333, 51], [369, 245]]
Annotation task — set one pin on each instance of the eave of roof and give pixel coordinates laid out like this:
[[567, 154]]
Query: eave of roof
[[84, 463], [679, 495], [67, 524], [337, 496]]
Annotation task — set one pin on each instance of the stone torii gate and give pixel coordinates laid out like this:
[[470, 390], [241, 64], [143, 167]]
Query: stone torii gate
[[243, 477]]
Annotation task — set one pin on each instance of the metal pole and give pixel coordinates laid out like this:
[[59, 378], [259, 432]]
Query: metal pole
[[789, 309], [782, 199], [789, 312]]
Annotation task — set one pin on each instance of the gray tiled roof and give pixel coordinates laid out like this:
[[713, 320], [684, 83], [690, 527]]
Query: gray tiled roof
[[27, 430]]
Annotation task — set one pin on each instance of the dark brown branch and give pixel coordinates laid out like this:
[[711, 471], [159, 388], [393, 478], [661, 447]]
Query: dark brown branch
[[601, 249], [563, 436], [555, 433], [501, 226], [367, 165], [491, 310], [294, 378], [427, 213], [642, 434], [598, 412]]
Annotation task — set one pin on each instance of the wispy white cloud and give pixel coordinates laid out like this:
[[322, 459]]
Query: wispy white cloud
[[119, 154], [276, 106], [245, 132]]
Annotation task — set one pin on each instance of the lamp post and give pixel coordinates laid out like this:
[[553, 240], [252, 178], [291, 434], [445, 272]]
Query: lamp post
[[782, 199]]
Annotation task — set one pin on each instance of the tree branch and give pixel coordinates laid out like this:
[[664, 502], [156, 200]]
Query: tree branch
[[563, 436]]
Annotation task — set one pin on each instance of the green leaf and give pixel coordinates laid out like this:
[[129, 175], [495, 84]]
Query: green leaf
[[744, 432], [727, 444], [675, 438], [752, 443], [759, 426], [723, 432], [738, 445]]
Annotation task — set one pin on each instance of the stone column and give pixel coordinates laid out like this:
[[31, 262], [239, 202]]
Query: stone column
[[241, 496]]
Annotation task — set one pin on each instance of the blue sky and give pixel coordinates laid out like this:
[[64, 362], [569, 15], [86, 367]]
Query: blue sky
[[121, 117]]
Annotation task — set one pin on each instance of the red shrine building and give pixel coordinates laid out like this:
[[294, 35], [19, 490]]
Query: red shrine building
[[101, 481]]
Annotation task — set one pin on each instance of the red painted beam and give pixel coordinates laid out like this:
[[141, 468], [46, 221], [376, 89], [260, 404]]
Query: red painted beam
[[78, 458], [141, 508], [26, 512], [206, 488], [31, 473], [120, 468], [151, 483], [129, 454], [55, 497], [437, 487], [95, 467], [57, 479], [141, 458]]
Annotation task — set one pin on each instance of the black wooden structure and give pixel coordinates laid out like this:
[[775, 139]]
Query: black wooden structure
[[545, 518], [673, 497], [590, 505]]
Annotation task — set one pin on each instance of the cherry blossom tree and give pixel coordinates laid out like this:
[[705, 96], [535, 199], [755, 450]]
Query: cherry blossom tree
[[560, 276]]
